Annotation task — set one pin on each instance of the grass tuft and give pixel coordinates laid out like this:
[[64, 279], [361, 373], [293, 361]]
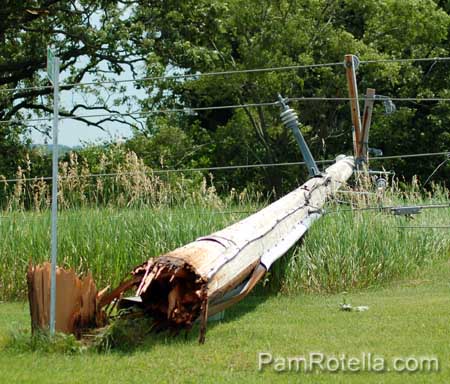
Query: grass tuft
[[22, 341]]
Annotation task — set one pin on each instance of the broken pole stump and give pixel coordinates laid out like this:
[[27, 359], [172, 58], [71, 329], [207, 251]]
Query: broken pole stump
[[76, 300]]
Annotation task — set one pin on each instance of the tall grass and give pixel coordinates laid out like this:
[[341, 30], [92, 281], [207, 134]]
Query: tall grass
[[118, 178], [109, 228], [108, 223], [108, 242], [352, 248]]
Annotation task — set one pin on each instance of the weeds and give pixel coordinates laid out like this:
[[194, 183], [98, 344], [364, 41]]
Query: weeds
[[350, 248], [22, 341], [109, 224]]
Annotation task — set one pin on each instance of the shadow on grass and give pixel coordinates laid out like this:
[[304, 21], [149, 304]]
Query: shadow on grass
[[122, 336], [133, 336]]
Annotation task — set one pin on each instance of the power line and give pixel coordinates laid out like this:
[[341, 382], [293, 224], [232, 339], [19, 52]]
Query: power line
[[436, 169], [425, 226], [24, 217], [183, 76], [188, 110], [429, 154], [412, 60], [167, 171], [230, 212], [230, 72], [391, 208], [142, 114], [215, 168]]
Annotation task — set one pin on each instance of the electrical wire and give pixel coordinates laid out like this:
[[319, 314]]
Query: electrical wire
[[389, 208], [230, 72], [178, 214], [436, 169], [182, 76], [187, 110], [214, 168], [412, 60], [425, 226], [143, 114]]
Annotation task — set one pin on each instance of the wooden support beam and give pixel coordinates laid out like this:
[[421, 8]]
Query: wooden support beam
[[366, 121], [354, 103]]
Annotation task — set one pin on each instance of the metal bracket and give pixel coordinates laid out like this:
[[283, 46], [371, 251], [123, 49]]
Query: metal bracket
[[389, 106], [290, 119], [405, 211]]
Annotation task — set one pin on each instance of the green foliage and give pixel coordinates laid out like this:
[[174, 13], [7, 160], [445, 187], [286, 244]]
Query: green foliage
[[170, 147], [12, 149], [21, 341], [203, 36], [123, 334], [101, 39]]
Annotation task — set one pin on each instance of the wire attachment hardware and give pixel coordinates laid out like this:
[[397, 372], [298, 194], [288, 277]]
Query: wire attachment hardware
[[289, 118], [389, 106]]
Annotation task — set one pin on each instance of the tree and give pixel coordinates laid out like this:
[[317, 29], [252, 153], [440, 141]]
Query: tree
[[95, 40], [99, 39], [204, 36]]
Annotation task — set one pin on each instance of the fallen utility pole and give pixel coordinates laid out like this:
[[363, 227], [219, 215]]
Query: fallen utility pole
[[213, 272], [202, 278]]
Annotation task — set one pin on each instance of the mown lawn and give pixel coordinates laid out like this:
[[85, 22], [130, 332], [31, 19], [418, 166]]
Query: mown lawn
[[405, 318]]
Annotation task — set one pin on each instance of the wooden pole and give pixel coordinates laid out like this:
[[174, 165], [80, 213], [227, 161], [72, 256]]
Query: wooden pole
[[354, 103], [366, 121], [176, 288]]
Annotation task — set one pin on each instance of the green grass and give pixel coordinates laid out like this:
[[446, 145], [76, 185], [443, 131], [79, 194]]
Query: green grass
[[342, 251], [108, 242], [406, 318], [348, 250]]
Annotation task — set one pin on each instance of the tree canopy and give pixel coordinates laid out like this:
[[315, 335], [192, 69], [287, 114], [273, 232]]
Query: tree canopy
[[204, 36], [101, 39]]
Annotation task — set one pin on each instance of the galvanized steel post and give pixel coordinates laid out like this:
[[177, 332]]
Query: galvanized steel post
[[54, 239]]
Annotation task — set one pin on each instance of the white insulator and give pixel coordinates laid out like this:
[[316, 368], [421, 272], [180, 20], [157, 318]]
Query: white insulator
[[288, 116]]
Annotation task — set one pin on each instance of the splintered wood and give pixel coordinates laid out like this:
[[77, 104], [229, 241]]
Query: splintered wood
[[172, 292], [76, 300]]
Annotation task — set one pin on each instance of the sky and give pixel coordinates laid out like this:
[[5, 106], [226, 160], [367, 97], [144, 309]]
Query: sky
[[74, 133]]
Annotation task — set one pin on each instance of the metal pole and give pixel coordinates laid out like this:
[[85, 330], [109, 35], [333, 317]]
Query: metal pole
[[54, 241]]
